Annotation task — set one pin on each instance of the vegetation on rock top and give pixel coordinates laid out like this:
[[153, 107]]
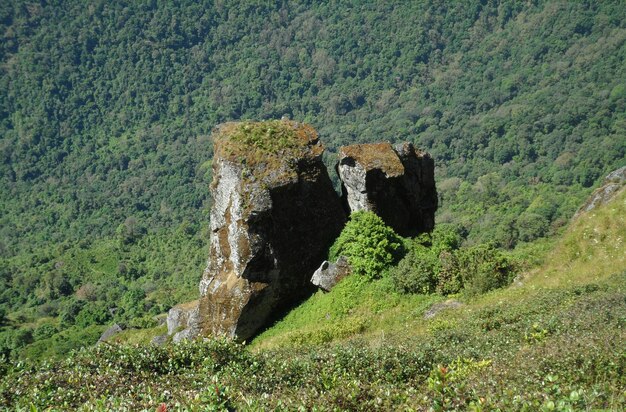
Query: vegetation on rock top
[[375, 155], [269, 151]]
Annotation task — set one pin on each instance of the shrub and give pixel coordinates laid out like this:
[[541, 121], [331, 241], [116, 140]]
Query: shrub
[[436, 263], [483, 268], [44, 331], [370, 246], [416, 272], [70, 311], [449, 279], [93, 314]]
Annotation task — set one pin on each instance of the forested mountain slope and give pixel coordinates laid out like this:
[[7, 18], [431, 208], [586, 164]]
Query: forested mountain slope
[[105, 108]]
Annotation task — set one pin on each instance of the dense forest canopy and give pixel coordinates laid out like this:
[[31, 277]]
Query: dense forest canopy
[[106, 109]]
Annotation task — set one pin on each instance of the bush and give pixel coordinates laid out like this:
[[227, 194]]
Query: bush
[[370, 246], [449, 279], [484, 268], [416, 272], [44, 331], [437, 263], [93, 314], [429, 257], [70, 311]]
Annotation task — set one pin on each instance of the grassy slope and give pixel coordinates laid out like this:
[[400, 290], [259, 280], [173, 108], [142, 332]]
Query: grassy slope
[[553, 341], [591, 251]]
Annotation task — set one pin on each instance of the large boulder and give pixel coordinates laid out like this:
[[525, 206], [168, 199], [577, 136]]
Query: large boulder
[[395, 182], [273, 218]]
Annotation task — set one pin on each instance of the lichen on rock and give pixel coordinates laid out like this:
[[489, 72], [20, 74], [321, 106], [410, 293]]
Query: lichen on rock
[[274, 215], [395, 182]]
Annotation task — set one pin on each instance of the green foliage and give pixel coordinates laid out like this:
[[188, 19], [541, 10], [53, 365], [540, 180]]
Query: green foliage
[[512, 356], [44, 331], [100, 282], [107, 109], [437, 262], [448, 382], [417, 272], [370, 246], [483, 268]]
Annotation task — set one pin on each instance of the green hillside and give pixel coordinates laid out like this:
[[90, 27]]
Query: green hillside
[[106, 109], [552, 341]]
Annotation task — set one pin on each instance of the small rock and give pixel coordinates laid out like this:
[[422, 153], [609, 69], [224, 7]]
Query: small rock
[[183, 318], [113, 330], [329, 274], [159, 340], [438, 307]]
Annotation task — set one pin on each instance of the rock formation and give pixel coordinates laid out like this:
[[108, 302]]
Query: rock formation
[[602, 195], [395, 182], [110, 332], [329, 274], [273, 218], [183, 321]]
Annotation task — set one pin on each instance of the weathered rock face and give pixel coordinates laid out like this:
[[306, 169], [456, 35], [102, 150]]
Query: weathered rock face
[[329, 274], [602, 195], [183, 321], [274, 215], [395, 182]]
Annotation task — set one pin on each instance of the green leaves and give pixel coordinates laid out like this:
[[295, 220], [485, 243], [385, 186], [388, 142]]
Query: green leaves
[[370, 246], [437, 262]]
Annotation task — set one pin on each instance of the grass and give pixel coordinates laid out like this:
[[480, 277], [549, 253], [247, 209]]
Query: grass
[[138, 336], [266, 147], [353, 307], [592, 248], [555, 340]]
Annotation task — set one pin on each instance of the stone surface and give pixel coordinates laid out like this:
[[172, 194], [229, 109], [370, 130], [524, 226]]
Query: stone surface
[[182, 321], [273, 218], [395, 182], [159, 340], [612, 183], [441, 306], [329, 274], [112, 331]]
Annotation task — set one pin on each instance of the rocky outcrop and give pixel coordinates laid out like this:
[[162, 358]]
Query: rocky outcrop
[[610, 186], [110, 332], [274, 215], [183, 321], [436, 308], [329, 274], [159, 340], [395, 182]]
